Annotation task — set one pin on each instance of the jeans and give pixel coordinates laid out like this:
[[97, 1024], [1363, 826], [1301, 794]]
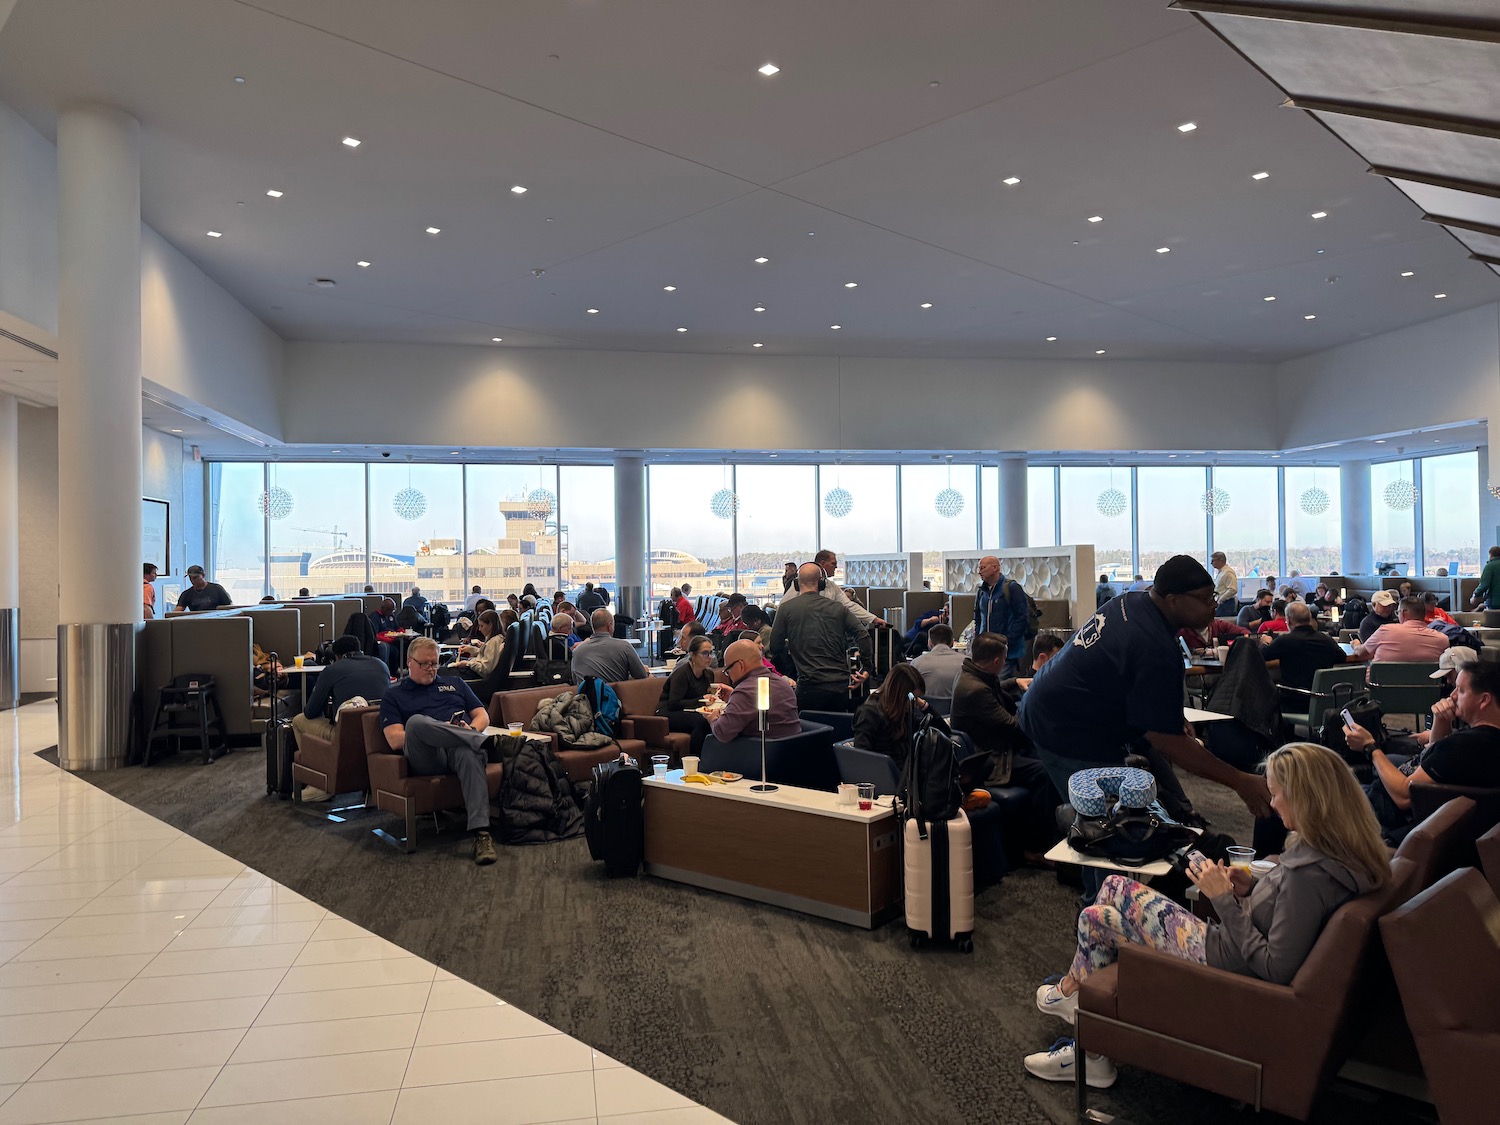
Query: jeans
[[434, 748]]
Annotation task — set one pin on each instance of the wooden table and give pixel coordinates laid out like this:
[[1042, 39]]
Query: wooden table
[[795, 848]]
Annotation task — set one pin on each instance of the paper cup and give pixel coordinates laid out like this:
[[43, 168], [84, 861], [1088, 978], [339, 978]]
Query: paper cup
[[1222, 652], [689, 764], [848, 794]]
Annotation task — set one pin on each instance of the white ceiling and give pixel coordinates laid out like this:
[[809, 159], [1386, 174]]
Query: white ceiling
[[644, 133]]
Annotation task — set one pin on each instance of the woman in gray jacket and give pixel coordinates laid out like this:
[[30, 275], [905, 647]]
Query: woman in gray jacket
[[1267, 924]]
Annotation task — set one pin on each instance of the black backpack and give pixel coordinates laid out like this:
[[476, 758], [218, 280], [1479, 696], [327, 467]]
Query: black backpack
[[667, 611], [440, 618], [929, 788], [1355, 611], [613, 819], [1033, 611]]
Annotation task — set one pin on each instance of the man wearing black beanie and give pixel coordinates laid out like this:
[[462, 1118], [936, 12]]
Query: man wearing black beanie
[[1120, 679]]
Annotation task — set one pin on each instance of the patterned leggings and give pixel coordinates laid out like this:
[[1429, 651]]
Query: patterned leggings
[[1129, 912]]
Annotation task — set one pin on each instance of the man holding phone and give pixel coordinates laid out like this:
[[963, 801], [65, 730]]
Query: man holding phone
[[440, 725]]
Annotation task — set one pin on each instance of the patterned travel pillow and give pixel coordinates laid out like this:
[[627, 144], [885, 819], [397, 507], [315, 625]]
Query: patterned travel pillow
[[1089, 790]]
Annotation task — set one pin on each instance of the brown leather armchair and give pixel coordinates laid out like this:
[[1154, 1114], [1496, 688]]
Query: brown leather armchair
[[1445, 948], [338, 766], [639, 700], [1488, 847], [395, 790], [521, 706], [1427, 797]]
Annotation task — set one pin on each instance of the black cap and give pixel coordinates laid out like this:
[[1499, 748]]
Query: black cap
[[345, 645], [195, 569], [1179, 574]]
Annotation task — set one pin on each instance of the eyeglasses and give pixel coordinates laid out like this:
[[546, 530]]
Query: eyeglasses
[[422, 663]]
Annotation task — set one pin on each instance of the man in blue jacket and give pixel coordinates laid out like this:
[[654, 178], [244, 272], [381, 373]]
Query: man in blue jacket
[[1001, 607]]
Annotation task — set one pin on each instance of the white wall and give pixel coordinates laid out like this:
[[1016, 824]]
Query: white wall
[[28, 223], [436, 395], [37, 526], [168, 472]]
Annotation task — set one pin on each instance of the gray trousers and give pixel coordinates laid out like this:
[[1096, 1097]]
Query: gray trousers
[[433, 748]]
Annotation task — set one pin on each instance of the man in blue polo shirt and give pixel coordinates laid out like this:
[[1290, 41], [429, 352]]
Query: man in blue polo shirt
[[1120, 679], [439, 724]]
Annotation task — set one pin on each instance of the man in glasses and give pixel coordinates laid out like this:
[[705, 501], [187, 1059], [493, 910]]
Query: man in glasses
[[439, 724], [745, 667], [1119, 681]]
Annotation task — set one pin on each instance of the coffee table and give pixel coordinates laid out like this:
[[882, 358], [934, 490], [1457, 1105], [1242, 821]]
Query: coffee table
[[795, 848]]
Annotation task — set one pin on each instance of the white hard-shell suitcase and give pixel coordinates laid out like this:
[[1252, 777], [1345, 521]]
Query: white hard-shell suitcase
[[940, 882]]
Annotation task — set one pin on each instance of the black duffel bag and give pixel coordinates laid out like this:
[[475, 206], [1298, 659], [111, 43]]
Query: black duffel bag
[[1127, 836]]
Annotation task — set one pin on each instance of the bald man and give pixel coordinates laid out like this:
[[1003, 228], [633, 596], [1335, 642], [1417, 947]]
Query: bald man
[[818, 633], [745, 668], [1000, 606]]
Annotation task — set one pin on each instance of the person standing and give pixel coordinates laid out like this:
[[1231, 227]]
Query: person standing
[[148, 591], [1226, 585], [817, 632], [788, 576], [1001, 606], [1120, 679], [201, 594], [1487, 593], [589, 600]]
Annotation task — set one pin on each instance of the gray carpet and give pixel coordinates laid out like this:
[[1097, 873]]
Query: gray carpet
[[761, 1014]]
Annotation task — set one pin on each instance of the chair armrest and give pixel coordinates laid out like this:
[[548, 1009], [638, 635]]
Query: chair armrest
[[1300, 691], [650, 729], [387, 770]]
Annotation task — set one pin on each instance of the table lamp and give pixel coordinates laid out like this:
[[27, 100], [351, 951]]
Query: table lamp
[[763, 711]]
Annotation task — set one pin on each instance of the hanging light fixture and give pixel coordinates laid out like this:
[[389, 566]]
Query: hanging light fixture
[[1215, 501], [410, 503], [275, 502], [724, 503], [950, 501], [1111, 502], [838, 502], [1314, 501], [1400, 494]]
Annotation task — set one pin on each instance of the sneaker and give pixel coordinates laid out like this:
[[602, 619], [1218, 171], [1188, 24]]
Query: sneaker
[[1056, 1065], [484, 849], [311, 793], [1050, 1001]]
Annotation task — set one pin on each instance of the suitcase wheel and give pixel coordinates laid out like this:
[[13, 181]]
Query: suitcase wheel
[[964, 943], [916, 937]]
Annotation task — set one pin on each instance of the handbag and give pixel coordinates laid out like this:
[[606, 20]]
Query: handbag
[[1130, 837], [1366, 713]]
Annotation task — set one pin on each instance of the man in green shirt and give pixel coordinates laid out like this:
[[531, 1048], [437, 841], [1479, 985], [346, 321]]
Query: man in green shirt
[[1488, 590]]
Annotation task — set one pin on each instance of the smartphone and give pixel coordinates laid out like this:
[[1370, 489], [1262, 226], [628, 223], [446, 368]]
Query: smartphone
[[1348, 718], [458, 717], [1195, 860]]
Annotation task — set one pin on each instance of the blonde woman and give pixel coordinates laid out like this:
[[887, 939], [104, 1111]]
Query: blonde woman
[[1267, 923]]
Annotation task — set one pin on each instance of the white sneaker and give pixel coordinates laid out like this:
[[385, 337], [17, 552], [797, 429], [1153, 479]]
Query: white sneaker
[[1056, 1065], [315, 795], [1050, 1001]]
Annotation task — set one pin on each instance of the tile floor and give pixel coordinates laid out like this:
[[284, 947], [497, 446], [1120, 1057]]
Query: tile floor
[[147, 978]]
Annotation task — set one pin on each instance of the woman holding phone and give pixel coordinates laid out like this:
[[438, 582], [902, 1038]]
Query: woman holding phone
[[1267, 923]]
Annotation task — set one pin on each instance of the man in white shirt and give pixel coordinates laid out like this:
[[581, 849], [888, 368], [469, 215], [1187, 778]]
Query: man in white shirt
[[1226, 586], [828, 562]]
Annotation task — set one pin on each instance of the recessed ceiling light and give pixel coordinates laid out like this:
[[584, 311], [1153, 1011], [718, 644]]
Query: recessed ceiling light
[[669, 288], [215, 234], [452, 453], [1186, 127], [851, 285], [363, 265], [238, 79], [1380, 441], [925, 305], [434, 230], [1268, 298], [335, 451], [1408, 273], [1099, 352], [517, 189], [1011, 181], [761, 261], [1320, 214], [1163, 249], [274, 194], [1439, 296], [1096, 218], [1259, 175], [351, 142], [682, 330], [757, 345], [591, 312], [835, 327], [177, 431], [769, 69], [1311, 316], [1274, 456], [1051, 339], [496, 339], [1171, 456], [1437, 441], [760, 308]]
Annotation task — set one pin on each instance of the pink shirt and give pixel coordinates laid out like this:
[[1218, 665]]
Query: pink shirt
[[1405, 641]]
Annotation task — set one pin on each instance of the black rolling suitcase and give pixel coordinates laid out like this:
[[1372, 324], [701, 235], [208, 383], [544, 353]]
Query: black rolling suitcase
[[890, 650], [613, 819], [280, 747]]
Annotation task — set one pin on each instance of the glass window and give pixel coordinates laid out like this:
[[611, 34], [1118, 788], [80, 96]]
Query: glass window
[[776, 524], [1248, 529], [416, 530], [1041, 506], [1095, 508], [1171, 517], [320, 542], [989, 502], [512, 523], [1450, 513], [865, 526], [937, 513], [1393, 516], [1314, 535], [689, 541], [587, 526], [238, 530]]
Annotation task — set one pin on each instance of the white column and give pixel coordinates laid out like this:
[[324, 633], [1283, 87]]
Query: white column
[[10, 556], [1489, 506], [630, 534], [98, 429], [1014, 528], [1354, 518]]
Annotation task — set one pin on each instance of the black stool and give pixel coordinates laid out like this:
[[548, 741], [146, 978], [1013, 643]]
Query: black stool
[[188, 697]]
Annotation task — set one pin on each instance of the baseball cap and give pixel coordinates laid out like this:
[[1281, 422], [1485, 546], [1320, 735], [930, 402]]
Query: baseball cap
[[1179, 574], [1454, 660], [194, 569], [1385, 598]]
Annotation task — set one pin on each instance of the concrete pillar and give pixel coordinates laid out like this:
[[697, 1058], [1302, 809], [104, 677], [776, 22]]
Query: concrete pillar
[[630, 534], [98, 430], [1014, 525], [10, 556], [1354, 518], [1489, 506]]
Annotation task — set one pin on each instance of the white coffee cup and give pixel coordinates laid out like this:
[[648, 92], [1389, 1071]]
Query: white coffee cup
[[1222, 652], [848, 793], [689, 764]]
